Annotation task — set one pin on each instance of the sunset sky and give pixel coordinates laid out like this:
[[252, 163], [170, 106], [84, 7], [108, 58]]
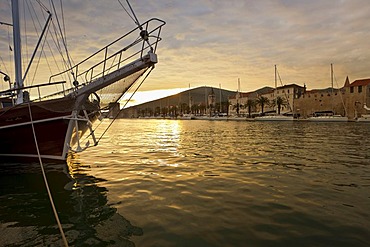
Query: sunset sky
[[216, 42]]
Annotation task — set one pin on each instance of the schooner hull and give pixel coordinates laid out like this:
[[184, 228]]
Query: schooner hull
[[53, 128], [50, 135]]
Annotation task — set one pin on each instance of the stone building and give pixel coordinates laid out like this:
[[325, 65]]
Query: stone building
[[357, 94], [320, 100], [238, 102], [289, 93]]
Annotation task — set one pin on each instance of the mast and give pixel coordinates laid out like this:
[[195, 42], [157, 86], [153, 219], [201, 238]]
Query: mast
[[17, 50], [332, 87], [276, 110], [331, 74], [220, 99], [189, 99]]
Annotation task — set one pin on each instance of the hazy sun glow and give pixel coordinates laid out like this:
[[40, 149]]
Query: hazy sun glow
[[145, 96]]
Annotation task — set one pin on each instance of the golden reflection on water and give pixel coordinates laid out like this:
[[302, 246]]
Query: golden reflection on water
[[167, 134], [262, 182]]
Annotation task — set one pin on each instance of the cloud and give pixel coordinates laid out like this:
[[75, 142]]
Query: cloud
[[212, 42]]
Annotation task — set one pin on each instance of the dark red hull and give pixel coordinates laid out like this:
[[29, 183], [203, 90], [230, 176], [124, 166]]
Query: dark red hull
[[51, 121]]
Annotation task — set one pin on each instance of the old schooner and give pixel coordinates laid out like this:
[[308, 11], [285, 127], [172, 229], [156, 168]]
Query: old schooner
[[50, 126]]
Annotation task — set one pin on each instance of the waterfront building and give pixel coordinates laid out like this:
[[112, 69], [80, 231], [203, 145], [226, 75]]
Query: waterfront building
[[320, 100], [357, 94], [347, 101], [238, 103], [289, 93]]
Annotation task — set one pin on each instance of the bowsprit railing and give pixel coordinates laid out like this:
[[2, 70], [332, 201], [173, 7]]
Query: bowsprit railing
[[127, 48]]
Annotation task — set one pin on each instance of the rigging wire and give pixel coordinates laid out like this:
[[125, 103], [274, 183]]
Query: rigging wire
[[133, 13], [64, 41], [64, 26], [55, 39], [42, 6], [46, 180], [340, 94], [10, 53], [127, 12], [116, 116], [34, 25], [58, 46], [286, 97], [143, 33], [26, 36], [38, 61], [128, 100]]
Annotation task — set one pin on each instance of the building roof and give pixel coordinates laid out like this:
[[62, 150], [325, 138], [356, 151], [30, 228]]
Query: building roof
[[324, 90], [346, 83], [290, 86], [241, 95], [361, 82]]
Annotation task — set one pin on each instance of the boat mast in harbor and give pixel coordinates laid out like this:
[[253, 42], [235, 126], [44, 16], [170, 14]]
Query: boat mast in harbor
[[17, 51]]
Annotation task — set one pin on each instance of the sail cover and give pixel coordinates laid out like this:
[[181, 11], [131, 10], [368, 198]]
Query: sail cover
[[115, 91]]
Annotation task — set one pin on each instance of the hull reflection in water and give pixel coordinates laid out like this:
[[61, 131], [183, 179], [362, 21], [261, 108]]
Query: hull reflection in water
[[26, 217]]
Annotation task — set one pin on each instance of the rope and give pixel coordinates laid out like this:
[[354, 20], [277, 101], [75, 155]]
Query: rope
[[46, 181]]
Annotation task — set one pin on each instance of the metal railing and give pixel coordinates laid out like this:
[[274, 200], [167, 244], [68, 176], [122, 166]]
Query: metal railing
[[113, 56], [12, 91]]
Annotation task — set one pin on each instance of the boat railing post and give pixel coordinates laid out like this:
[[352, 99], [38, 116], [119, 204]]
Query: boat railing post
[[119, 60], [92, 72], [75, 81], [64, 91], [105, 60], [156, 43], [38, 89]]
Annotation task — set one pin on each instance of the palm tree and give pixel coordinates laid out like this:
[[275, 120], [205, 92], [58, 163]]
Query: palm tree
[[157, 111], [164, 111], [184, 108], [237, 107], [194, 109], [250, 103], [262, 101], [279, 102]]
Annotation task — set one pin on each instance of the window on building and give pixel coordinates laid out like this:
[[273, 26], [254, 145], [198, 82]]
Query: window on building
[[360, 89], [351, 90], [288, 90]]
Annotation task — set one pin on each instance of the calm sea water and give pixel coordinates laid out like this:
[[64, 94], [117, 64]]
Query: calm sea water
[[199, 183]]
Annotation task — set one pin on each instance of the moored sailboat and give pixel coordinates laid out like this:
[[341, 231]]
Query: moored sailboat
[[276, 116], [52, 125], [364, 117], [329, 116]]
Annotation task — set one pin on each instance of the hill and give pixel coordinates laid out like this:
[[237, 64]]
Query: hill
[[195, 97]]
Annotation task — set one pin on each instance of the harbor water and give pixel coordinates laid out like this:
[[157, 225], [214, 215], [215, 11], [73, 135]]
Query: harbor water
[[198, 183]]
